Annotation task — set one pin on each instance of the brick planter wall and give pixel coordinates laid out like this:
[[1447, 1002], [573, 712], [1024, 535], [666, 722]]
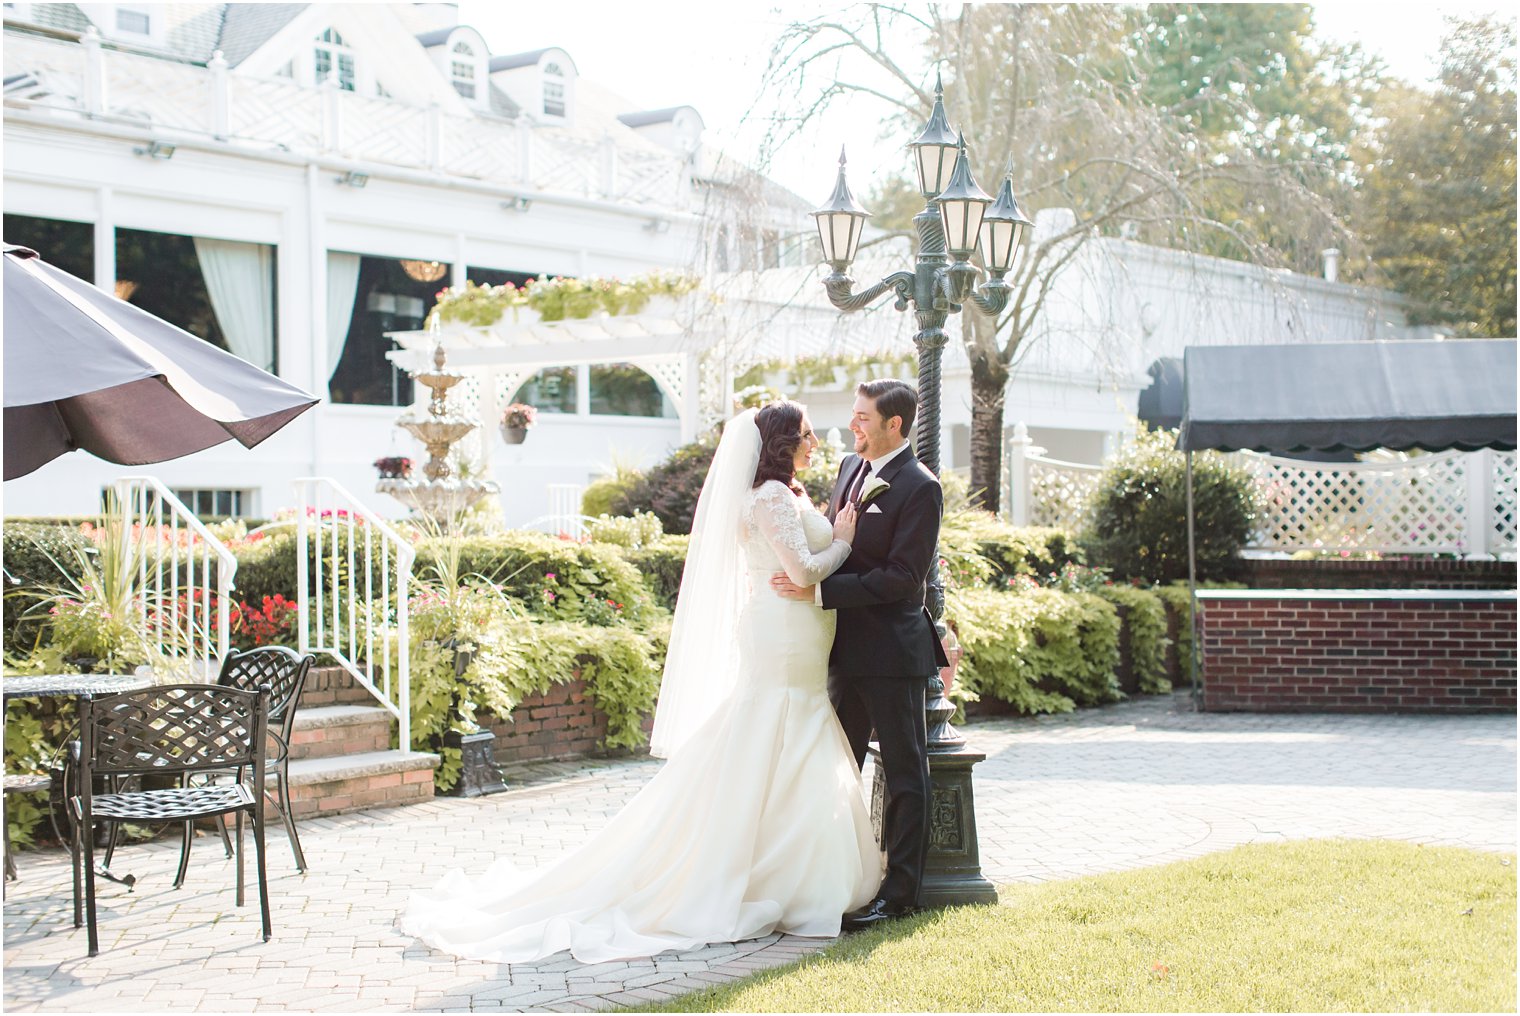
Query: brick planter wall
[[561, 723], [1417, 573], [1342, 651]]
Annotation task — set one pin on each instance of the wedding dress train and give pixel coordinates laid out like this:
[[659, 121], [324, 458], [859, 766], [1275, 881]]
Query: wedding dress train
[[756, 824]]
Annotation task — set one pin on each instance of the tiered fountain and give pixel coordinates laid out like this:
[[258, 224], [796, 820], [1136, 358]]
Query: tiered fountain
[[441, 497]]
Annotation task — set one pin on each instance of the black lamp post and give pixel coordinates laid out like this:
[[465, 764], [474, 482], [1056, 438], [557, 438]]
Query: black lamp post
[[956, 219]]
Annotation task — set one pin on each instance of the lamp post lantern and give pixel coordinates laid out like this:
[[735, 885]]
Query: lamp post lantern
[[958, 217]]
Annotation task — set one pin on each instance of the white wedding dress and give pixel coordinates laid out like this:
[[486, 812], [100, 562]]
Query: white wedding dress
[[755, 824]]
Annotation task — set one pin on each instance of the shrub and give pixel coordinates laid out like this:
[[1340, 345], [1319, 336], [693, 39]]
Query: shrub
[[1143, 630], [474, 649], [1139, 517], [34, 553], [660, 563], [1040, 650], [1011, 550], [556, 579], [266, 565], [603, 492], [626, 531], [670, 489]]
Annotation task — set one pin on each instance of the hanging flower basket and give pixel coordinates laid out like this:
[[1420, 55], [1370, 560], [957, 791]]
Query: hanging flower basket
[[515, 421], [394, 467]]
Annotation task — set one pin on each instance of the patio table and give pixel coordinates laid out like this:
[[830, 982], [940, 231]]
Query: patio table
[[73, 686]]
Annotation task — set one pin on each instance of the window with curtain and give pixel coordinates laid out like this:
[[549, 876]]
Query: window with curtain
[[551, 390], [62, 244], [380, 295], [621, 389]]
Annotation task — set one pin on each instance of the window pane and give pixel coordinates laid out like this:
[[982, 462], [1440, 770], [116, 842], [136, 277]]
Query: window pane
[[625, 390], [161, 273], [387, 300], [551, 390], [66, 245], [554, 98], [345, 72], [131, 21]]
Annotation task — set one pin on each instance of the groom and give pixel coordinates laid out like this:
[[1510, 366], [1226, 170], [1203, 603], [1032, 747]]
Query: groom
[[885, 646]]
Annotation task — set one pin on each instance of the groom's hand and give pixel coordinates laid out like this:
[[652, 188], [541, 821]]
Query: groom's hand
[[789, 590]]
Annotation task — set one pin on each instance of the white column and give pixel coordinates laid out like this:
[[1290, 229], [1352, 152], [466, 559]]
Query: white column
[[1477, 519], [457, 275], [105, 240], [1018, 475]]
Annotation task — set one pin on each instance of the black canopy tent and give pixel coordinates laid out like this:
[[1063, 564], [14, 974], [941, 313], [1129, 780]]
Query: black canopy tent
[[1344, 396]]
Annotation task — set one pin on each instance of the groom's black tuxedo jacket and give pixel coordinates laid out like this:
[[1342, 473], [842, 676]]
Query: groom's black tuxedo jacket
[[884, 629]]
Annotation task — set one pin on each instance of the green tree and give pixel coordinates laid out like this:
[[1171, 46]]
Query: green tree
[[1060, 91], [1439, 197]]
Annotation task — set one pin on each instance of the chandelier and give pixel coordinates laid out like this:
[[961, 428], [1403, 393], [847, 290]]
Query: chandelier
[[424, 271]]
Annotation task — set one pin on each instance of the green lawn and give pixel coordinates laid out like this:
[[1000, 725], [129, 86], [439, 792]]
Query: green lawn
[[1328, 925]]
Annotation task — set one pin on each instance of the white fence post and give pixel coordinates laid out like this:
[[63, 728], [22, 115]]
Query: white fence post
[[221, 115], [1018, 475], [434, 139], [94, 72], [1478, 517]]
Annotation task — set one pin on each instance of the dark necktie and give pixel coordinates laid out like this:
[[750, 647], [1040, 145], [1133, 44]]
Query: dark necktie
[[860, 482]]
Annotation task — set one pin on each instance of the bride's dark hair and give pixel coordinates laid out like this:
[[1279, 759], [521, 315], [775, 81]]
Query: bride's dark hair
[[780, 425]]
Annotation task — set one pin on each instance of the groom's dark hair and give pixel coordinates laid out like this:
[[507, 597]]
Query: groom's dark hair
[[892, 398]]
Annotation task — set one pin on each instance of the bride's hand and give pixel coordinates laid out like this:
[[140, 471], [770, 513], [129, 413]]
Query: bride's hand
[[844, 524]]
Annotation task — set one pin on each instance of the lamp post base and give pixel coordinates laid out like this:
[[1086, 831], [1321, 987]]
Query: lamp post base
[[479, 774], [953, 868]]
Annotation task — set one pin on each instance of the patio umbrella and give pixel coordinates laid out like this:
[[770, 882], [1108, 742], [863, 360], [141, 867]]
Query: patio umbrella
[[86, 370]]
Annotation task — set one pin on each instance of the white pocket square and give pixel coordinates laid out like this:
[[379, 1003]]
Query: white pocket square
[[873, 508]]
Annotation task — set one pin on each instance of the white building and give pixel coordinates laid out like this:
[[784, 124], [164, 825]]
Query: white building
[[293, 181], [296, 181]]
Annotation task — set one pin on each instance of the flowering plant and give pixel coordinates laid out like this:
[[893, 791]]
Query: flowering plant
[[272, 624], [519, 414], [394, 467]]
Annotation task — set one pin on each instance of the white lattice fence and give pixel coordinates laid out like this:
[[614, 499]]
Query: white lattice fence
[[161, 92], [1060, 493], [276, 110], [1446, 503], [382, 130], [1429, 504]]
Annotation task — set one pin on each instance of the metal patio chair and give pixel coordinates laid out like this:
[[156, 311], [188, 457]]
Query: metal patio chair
[[284, 671], [173, 731]]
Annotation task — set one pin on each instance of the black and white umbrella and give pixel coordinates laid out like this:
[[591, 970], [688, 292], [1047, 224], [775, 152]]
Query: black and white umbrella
[[86, 370]]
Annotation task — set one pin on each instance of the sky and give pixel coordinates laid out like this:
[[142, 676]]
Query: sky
[[712, 57]]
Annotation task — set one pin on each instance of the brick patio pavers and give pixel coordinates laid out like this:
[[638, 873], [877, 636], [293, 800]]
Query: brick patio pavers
[[1140, 783]]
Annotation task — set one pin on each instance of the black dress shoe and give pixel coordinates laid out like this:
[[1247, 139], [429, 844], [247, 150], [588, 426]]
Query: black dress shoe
[[874, 914]]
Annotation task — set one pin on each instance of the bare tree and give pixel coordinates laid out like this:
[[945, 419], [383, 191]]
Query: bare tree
[[1057, 91]]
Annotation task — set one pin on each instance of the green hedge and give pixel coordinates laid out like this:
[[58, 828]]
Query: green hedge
[[27, 547], [1040, 650], [1010, 550], [557, 579], [1143, 631], [661, 563]]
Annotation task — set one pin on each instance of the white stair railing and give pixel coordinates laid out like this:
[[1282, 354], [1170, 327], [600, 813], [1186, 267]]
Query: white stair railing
[[353, 578], [183, 571]]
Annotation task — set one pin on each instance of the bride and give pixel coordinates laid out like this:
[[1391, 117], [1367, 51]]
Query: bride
[[756, 824]]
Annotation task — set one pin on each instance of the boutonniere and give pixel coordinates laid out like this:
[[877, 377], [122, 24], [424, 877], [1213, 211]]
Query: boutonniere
[[873, 486]]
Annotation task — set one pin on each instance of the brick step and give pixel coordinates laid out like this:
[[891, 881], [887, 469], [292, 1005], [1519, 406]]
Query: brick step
[[329, 731], [372, 779], [332, 686]]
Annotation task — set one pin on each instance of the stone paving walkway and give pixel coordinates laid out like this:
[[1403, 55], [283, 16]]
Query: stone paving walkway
[[1135, 784]]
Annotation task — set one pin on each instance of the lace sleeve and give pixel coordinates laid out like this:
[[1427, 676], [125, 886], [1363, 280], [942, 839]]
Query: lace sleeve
[[775, 515]]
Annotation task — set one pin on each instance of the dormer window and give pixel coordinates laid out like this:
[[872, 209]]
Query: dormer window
[[462, 69], [554, 90], [333, 58]]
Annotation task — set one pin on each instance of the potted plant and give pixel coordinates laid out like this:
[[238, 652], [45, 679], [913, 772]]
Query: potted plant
[[515, 421], [394, 467]]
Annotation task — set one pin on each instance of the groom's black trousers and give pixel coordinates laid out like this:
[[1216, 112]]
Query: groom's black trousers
[[894, 706]]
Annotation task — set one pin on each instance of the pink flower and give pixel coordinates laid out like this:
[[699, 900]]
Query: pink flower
[[549, 596], [549, 576]]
